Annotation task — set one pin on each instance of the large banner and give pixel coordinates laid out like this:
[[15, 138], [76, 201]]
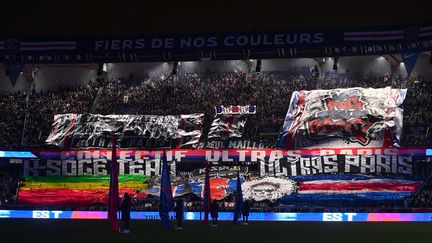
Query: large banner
[[343, 118], [80, 177], [134, 131], [234, 127], [265, 162], [214, 46]]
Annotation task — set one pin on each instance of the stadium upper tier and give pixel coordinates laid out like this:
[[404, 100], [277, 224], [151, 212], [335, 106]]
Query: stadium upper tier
[[26, 119]]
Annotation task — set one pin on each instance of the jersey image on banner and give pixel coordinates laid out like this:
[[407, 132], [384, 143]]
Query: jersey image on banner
[[343, 118]]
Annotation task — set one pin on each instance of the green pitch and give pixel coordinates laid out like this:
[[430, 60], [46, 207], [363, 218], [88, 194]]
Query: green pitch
[[95, 231]]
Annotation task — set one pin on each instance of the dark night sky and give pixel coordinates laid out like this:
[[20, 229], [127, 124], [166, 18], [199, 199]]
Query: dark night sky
[[117, 18]]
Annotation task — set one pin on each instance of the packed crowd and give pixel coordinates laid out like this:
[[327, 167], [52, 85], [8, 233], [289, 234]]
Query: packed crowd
[[12, 113], [9, 179], [42, 108], [195, 92], [26, 119]]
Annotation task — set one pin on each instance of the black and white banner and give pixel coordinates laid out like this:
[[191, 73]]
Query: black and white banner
[[133, 131], [188, 162]]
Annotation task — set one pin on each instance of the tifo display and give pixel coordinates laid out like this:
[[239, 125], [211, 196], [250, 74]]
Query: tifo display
[[335, 147]]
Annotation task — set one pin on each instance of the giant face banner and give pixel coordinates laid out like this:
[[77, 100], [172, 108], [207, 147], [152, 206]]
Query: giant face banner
[[134, 131], [343, 118]]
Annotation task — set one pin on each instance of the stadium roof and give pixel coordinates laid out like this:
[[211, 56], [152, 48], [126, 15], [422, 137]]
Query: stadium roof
[[116, 18]]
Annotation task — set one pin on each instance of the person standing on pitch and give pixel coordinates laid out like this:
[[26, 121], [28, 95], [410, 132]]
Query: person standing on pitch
[[125, 211], [179, 209], [214, 213], [245, 212]]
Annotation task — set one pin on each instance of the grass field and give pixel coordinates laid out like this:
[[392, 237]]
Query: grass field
[[64, 231]]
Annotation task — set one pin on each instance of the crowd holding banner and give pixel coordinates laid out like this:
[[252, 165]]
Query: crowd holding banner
[[140, 171], [292, 166]]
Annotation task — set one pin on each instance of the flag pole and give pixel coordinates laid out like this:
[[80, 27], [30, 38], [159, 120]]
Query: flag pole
[[238, 200], [113, 201], [207, 195]]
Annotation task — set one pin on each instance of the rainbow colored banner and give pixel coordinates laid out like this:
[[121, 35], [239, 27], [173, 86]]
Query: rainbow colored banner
[[76, 190]]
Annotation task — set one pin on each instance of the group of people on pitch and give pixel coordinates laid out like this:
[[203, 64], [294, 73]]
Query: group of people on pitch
[[214, 213], [179, 210]]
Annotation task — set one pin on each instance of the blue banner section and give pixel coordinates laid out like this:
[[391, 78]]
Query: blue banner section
[[228, 216], [213, 46], [17, 154]]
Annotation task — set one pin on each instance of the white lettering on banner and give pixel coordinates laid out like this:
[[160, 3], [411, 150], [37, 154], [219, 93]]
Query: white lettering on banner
[[152, 170], [225, 157], [179, 154], [338, 216], [351, 160], [31, 168], [84, 166], [210, 41], [405, 163], [212, 156], [257, 155], [242, 154], [275, 162], [53, 167], [105, 45], [330, 164], [99, 167], [136, 167], [38, 214]]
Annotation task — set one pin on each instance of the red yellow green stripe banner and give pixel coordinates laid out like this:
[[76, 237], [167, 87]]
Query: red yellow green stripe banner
[[76, 190]]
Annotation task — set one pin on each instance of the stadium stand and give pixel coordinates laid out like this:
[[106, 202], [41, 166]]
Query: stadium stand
[[27, 119]]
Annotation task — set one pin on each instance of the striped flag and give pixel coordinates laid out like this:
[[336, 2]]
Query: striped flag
[[374, 35], [47, 45], [357, 186]]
